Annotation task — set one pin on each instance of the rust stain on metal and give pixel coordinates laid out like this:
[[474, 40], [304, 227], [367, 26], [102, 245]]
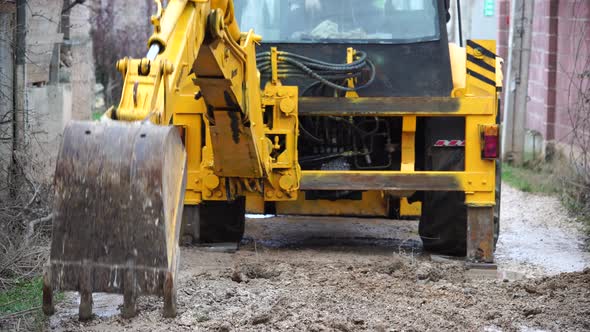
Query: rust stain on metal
[[480, 234], [377, 105], [378, 181]]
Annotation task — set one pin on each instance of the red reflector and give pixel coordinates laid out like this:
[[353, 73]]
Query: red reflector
[[490, 141], [490, 149]]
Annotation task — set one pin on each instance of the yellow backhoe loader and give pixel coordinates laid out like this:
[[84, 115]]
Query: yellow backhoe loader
[[346, 108]]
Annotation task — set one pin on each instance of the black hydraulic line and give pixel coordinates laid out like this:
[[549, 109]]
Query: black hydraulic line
[[299, 66], [318, 77], [310, 87], [355, 127], [357, 64], [310, 135], [317, 158]]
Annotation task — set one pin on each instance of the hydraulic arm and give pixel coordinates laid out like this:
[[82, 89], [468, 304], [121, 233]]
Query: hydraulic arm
[[189, 128]]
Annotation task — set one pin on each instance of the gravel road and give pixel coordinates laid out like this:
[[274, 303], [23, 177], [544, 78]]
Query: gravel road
[[329, 274]]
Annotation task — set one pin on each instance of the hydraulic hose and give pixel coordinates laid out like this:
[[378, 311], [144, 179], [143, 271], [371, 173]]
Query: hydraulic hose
[[298, 66]]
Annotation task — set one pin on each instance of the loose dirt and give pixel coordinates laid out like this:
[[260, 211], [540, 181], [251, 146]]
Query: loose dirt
[[537, 237], [329, 274]]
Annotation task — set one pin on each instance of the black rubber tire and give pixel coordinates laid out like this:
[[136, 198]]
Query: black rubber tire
[[443, 223], [214, 222]]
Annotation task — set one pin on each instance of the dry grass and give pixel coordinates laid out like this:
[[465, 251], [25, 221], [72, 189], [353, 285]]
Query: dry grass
[[576, 196]]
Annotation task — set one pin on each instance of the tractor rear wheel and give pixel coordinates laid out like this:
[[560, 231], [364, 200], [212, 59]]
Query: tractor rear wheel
[[443, 224]]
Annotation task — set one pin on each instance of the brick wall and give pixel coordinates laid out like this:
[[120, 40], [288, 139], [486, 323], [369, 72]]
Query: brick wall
[[503, 27], [560, 53], [573, 66], [541, 105]]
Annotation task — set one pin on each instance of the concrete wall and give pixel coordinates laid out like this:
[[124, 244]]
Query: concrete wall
[[49, 104], [560, 61], [82, 63], [475, 24], [49, 109], [43, 20]]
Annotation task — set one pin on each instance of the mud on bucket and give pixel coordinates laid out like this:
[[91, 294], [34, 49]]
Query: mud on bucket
[[117, 213]]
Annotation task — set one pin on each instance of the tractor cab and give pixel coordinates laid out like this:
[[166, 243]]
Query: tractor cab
[[406, 40]]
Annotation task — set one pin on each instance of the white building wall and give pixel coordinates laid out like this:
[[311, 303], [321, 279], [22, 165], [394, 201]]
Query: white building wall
[[476, 25]]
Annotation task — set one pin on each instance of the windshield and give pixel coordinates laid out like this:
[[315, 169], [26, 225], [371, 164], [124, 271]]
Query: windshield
[[301, 21]]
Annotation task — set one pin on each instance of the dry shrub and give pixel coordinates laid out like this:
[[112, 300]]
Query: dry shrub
[[576, 189], [25, 224]]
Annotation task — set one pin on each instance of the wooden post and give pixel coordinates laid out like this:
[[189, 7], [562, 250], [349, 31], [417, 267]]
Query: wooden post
[[517, 82]]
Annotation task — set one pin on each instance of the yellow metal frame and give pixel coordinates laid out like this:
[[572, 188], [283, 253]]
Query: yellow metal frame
[[172, 90], [476, 101]]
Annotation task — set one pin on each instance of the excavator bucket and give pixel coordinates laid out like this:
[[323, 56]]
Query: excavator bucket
[[117, 214]]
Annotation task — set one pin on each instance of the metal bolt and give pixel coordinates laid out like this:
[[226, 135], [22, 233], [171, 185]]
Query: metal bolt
[[478, 53]]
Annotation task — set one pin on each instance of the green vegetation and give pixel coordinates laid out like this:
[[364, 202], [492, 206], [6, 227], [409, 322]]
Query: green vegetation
[[25, 298], [96, 116], [539, 179], [26, 295]]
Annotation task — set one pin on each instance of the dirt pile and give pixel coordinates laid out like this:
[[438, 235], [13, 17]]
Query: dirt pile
[[345, 291], [312, 274]]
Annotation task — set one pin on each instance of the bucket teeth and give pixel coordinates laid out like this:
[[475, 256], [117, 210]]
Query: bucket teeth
[[118, 208]]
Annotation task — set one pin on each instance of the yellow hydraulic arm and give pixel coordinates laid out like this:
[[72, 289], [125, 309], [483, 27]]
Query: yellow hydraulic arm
[[189, 128], [200, 74]]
